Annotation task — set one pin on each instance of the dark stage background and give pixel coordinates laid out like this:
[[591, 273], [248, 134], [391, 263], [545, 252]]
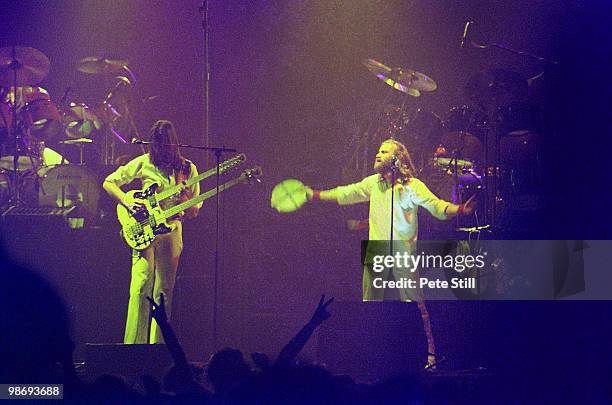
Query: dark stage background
[[289, 90]]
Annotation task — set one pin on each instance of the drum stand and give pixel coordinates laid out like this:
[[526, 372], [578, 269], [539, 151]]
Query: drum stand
[[492, 145], [15, 197]]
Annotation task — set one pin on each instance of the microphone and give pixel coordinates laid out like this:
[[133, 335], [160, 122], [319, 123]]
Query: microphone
[[394, 165], [466, 29]]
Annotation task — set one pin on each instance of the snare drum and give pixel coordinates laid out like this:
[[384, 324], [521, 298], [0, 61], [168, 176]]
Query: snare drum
[[67, 186]]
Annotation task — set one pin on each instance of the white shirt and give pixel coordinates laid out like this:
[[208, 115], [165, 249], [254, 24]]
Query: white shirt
[[408, 197], [143, 169]]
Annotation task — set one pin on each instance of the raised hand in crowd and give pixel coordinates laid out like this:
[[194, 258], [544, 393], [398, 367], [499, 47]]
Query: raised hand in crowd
[[158, 311], [321, 314], [295, 345]]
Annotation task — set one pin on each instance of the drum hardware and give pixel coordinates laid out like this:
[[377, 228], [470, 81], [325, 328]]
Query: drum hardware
[[97, 65], [80, 121], [65, 186], [502, 95], [115, 104], [409, 83], [20, 66], [406, 80], [80, 143]]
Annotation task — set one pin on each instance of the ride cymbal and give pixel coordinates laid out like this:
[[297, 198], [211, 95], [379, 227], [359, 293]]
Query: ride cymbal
[[30, 65]]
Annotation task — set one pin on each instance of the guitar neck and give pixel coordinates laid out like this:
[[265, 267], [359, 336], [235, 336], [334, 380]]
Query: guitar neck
[[223, 167], [170, 212]]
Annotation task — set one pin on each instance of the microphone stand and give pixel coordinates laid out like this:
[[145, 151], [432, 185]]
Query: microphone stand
[[393, 178], [492, 211], [514, 51], [14, 65], [217, 151], [204, 11]]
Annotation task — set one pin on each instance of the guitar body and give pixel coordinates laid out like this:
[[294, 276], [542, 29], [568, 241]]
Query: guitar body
[[140, 228]]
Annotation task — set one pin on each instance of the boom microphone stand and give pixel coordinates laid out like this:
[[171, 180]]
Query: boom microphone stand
[[493, 132], [217, 151]]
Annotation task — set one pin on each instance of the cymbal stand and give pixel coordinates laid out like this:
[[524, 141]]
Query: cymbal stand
[[15, 197], [492, 169], [362, 141]]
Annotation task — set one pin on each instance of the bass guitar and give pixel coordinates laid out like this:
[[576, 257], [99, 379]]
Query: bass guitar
[[140, 227]]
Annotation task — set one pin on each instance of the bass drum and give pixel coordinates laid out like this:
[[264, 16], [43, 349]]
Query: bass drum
[[519, 117], [521, 182], [67, 186]]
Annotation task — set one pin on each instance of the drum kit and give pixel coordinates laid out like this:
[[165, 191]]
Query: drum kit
[[34, 175], [490, 145]]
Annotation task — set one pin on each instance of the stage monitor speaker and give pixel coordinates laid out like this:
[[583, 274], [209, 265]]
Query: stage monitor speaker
[[129, 361], [373, 340]]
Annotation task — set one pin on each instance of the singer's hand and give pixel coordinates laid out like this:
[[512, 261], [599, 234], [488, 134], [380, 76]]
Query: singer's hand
[[469, 205]]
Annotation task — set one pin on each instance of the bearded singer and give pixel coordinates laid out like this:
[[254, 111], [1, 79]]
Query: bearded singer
[[393, 164], [154, 268]]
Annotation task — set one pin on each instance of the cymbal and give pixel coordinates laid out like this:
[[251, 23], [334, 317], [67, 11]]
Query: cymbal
[[466, 145], [76, 141], [496, 87], [405, 80], [32, 66], [96, 65]]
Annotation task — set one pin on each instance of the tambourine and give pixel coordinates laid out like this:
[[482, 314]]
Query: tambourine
[[288, 195]]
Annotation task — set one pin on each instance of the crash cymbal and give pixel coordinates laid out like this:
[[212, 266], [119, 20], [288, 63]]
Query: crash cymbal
[[30, 64], [96, 65], [403, 79], [461, 145], [496, 87]]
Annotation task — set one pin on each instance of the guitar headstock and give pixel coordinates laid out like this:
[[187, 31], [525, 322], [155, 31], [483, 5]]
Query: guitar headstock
[[231, 163], [251, 175]]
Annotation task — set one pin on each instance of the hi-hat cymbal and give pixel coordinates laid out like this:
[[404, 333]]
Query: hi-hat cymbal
[[30, 64], [96, 65], [77, 141], [405, 80]]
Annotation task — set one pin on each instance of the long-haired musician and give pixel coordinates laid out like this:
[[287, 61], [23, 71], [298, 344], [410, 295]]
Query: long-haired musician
[[154, 268], [393, 164]]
